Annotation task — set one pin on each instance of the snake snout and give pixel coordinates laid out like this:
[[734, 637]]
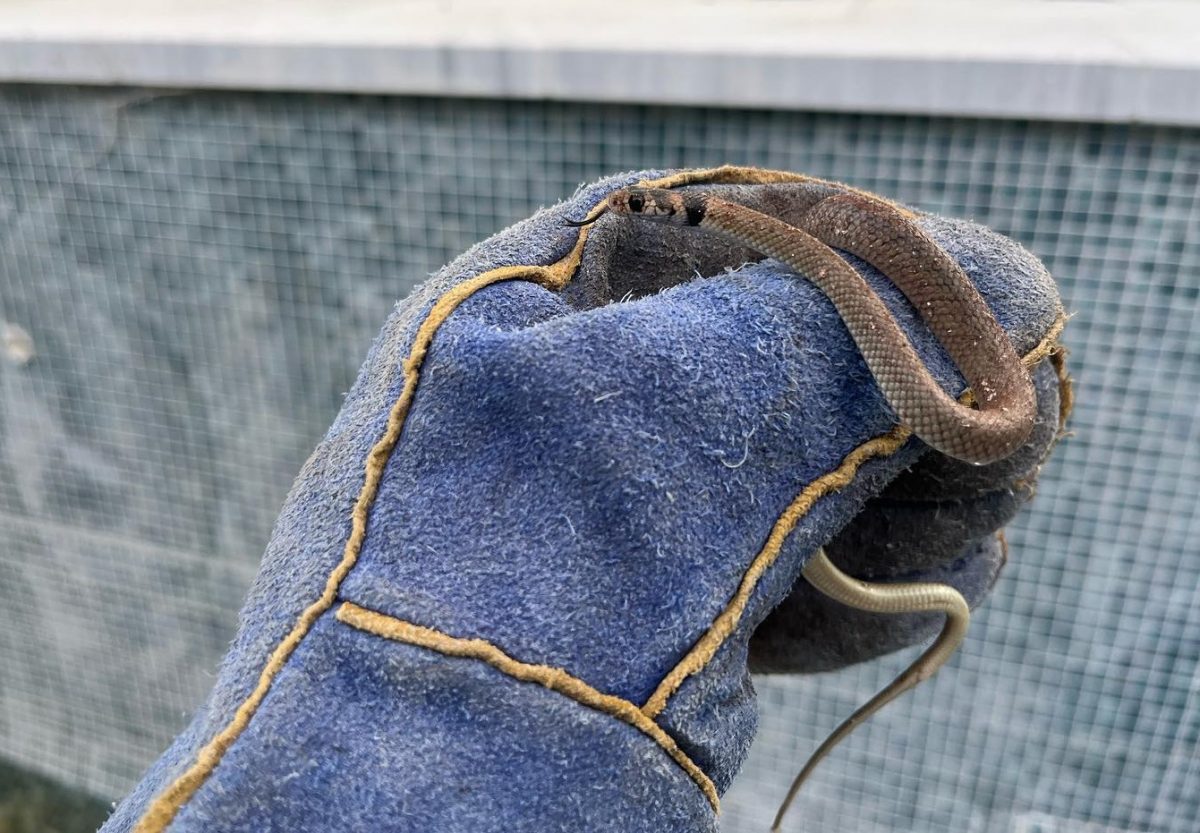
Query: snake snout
[[659, 204], [632, 201], [648, 204]]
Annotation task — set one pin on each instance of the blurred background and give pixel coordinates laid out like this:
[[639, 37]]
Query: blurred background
[[207, 211]]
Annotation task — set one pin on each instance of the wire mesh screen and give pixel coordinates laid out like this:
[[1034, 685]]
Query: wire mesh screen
[[188, 283]]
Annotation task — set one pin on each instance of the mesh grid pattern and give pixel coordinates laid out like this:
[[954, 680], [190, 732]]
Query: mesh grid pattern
[[200, 276]]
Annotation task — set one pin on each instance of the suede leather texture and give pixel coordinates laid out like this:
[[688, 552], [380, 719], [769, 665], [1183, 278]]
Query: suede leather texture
[[583, 479]]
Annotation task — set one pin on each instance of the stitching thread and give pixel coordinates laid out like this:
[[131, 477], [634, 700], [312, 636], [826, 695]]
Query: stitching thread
[[703, 651], [555, 679], [1066, 387], [725, 623], [167, 804], [163, 809], [741, 175]]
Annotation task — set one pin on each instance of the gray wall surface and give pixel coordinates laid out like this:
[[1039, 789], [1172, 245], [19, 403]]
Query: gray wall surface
[[1087, 60], [188, 282]]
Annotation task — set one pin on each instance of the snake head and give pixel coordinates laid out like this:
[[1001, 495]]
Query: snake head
[[657, 204]]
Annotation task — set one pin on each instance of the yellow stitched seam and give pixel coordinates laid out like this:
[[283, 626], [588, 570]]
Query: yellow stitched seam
[[555, 679], [706, 647], [739, 175], [163, 809], [165, 806], [704, 650], [1066, 387]]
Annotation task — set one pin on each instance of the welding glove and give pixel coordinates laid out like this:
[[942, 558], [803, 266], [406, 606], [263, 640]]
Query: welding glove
[[519, 584]]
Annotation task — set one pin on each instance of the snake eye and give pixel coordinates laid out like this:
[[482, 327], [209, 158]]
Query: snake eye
[[636, 203]]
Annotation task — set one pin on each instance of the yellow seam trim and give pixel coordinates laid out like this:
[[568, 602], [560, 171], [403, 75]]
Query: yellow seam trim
[[741, 175], [167, 804], [555, 679], [1066, 387], [725, 623], [706, 647]]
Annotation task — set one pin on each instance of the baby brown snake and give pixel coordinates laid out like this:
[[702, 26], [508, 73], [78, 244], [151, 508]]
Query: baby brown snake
[[960, 319]]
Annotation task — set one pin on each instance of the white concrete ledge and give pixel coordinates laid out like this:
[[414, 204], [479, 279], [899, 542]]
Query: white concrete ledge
[[1092, 61]]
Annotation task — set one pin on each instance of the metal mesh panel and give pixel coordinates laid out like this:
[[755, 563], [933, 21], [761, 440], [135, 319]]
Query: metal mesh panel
[[199, 275]]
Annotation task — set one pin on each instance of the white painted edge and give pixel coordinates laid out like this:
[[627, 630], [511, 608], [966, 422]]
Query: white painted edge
[[1084, 61]]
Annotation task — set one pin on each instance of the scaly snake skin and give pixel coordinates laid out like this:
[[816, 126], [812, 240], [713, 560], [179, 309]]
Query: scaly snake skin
[[821, 573], [934, 284], [950, 305]]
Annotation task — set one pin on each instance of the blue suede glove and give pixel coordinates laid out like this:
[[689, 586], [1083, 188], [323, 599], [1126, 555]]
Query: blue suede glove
[[515, 586]]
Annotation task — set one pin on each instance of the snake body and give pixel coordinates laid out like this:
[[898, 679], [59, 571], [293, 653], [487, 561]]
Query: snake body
[[947, 300], [932, 281]]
